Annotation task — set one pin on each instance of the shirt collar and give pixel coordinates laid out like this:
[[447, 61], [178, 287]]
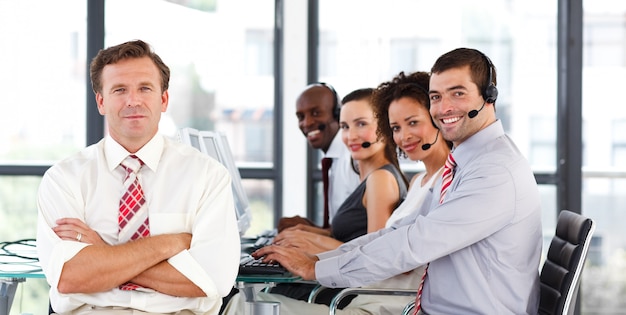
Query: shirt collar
[[472, 147], [149, 154], [337, 148]]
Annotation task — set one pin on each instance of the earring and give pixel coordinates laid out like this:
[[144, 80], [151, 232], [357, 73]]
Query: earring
[[401, 154]]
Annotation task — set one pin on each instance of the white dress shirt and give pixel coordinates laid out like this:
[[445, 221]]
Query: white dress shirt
[[185, 191], [342, 179]]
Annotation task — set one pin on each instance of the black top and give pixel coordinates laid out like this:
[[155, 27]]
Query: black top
[[350, 221]]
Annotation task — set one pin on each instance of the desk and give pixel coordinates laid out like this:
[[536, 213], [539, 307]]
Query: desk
[[17, 263]]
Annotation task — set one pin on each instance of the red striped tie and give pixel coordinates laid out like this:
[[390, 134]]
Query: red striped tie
[[448, 173], [133, 216]]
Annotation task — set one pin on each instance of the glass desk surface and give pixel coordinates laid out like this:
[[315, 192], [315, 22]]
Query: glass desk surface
[[267, 278], [19, 260]]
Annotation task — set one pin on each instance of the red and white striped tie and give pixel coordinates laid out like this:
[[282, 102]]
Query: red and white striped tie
[[133, 215], [448, 174]]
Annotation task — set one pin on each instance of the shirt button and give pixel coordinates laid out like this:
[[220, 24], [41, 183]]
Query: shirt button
[[334, 284]]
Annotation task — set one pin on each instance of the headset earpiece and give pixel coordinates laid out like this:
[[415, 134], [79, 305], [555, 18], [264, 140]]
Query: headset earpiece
[[336, 105], [490, 93]]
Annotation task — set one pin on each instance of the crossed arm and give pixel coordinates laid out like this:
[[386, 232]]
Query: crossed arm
[[102, 267]]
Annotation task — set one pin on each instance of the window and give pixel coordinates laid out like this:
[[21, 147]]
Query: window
[[327, 54], [259, 52], [604, 178], [408, 54], [43, 81], [604, 35], [618, 133], [542, 142]]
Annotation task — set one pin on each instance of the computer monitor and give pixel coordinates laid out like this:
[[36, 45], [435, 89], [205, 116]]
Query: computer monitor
[[190, 136], [216, 145]]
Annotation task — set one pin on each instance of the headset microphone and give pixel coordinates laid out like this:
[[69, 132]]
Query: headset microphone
[[321, 127], [427, 146], [367, 144], [472, 113]]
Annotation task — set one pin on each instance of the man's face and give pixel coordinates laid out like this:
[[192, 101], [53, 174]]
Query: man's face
[[132, 101], [314, 110], [452, 95]]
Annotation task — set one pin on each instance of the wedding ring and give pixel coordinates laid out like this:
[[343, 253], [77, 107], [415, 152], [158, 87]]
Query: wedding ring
[[79, 236]]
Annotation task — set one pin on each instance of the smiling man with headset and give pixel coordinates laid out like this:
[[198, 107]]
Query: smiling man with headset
[[317, 111]]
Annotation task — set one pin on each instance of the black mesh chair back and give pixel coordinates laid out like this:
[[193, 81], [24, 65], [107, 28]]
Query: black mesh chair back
[[560, 274]]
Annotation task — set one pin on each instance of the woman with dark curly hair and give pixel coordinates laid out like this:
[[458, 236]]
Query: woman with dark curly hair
[[402, 108]]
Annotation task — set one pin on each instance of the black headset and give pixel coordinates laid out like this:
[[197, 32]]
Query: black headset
[[490, 93], [336, 105]]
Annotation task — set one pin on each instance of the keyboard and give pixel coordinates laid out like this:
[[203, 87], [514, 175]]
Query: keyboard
[[260, 242], [248, 265]]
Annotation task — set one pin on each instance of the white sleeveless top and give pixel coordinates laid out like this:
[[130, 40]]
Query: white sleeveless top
[[414, 198]]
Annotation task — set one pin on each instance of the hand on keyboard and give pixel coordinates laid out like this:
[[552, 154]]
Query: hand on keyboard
[[293, 259]]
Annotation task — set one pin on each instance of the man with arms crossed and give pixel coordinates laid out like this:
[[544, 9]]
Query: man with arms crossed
[[178, 252], [482, 242]]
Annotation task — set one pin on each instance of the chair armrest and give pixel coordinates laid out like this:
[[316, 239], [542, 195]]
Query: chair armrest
[[315, 292], [409, 309], [368, 291]]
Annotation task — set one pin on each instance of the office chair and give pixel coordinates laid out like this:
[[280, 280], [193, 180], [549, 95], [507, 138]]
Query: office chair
[[560, 274]]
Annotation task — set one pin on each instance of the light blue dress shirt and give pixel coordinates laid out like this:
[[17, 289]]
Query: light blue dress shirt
[[483, 243]]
